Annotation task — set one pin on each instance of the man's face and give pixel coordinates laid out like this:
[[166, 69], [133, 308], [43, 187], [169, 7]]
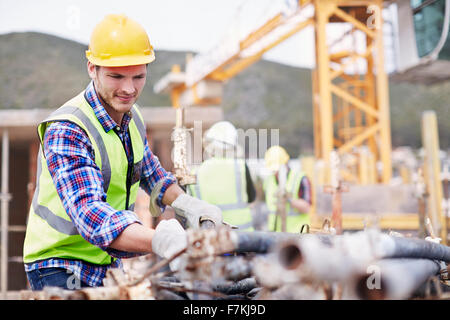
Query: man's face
[[118, 87]]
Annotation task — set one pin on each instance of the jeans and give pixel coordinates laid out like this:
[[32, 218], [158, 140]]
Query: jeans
[[54, 277]]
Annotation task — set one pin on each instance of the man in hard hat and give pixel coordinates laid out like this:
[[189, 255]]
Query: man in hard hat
[[297, 186], [223, 178], [94, 155]]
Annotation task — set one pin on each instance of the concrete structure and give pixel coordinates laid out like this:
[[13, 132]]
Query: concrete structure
[[20, 145]]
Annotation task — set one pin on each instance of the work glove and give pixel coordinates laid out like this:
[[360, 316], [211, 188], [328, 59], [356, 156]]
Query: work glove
[[169, 239], [191, 211]]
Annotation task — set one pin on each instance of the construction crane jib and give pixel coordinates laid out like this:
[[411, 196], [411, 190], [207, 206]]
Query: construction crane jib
[[350, 106]]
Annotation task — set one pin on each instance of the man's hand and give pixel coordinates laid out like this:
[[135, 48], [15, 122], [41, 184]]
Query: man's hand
[[169, 239], [193, 210]]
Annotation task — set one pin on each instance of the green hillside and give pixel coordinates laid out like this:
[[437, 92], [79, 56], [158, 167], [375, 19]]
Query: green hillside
[[43, 71]]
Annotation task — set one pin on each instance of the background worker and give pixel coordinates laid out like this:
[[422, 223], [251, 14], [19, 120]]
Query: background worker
[[94, 155], [297, 186], [223, 178]]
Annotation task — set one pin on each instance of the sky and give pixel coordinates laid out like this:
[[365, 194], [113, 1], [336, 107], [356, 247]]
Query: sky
[[179, 25]]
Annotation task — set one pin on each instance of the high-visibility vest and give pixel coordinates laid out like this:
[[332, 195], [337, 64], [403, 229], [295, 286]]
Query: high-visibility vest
[[50, 232], [222, 182], [294, 218]]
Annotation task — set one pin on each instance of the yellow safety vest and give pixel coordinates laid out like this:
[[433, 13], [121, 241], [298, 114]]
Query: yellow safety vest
[[222, 182], [294, 219], [50, 232]]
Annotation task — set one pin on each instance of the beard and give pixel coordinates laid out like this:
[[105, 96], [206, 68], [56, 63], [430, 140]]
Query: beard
[[112, 101]]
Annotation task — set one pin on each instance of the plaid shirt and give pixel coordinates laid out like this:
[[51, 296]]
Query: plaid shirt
[[79, 183]]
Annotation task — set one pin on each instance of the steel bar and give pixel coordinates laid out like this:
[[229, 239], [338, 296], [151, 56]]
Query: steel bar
[[263, 242], [180, 138], [336, 189], [4, 214]]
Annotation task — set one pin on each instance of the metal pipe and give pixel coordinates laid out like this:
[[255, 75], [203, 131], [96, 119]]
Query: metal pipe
[[394, 279], [240, 287], [312, 260], [372, 245], [290, 256], [399, 247], [263, 242], [4, 214], [309, 257], [236, 268], [418, 248]]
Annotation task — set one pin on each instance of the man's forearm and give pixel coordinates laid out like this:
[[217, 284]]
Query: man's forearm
[[301, 205], [134, 238], [172, 192]]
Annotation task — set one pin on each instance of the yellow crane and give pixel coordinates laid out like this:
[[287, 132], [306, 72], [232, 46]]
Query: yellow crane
[[350, 108], [350, 111]]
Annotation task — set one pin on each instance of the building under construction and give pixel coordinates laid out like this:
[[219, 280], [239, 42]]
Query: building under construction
[[356, 247]]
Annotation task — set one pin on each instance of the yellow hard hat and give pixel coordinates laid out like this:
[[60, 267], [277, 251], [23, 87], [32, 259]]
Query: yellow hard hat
[[119, 41], [275, 157]]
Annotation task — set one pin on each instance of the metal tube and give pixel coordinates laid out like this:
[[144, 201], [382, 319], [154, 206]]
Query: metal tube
[[290, 256], [418, 248], [239, 287], [379, 245], [4, 214], [309, 257], [236, 268], [394, 279], [263, 242], [311, 260]]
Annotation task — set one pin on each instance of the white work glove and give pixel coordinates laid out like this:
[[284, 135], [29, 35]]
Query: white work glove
[[169, 239], [191, 210]]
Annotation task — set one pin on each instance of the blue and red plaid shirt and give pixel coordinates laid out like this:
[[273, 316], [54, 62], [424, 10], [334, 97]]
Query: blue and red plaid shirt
[[79, 183]]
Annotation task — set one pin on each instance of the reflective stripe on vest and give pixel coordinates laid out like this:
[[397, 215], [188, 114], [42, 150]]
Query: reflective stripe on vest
[[212, 171], [56, 222], [229, 206], [106, 166]]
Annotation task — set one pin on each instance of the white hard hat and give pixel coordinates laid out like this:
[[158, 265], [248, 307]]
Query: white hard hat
[[222, 132]]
